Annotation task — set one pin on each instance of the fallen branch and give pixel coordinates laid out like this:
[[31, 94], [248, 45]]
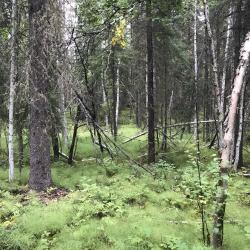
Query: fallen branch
[[64, 156], [101, 130], [135, 137], [246, 175]]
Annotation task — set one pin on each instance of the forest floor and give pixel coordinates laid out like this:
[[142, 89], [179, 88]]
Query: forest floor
[[114, 205]]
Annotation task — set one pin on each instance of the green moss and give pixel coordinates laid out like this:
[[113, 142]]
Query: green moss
[[111, 205]]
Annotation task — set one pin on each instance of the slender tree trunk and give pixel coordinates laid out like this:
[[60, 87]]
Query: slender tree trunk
[[55, 143], [114, 94], [74, 137], [117, 93], [237, 43], [238, 159], [138, 109], [20, 148], [150, 69], [197, 132], [206, 90], [170, 113], [63, 113], [237, 32], [40, 172], [225, 164], [224, 71], [13, 73], [165, 113], [104, 98], [146, 92], [220, 113]]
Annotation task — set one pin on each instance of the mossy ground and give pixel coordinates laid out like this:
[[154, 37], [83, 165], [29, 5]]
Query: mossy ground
[[113, 205]]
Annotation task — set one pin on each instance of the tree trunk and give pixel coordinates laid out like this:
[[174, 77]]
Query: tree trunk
[[220, 113], [20, 148], [169, 115], [73, 142], [165, 113], [12, 88], [146, 92], [62, 112], [206, 103], [224, 71], [104, 98], [196, 127], [55, 143], [114, 94], [150, 72], [117, 93], [238, 158], [138, 109], [225, 164], [40, 172]]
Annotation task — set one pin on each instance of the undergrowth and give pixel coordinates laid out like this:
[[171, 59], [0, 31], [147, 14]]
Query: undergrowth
[[113, 205]]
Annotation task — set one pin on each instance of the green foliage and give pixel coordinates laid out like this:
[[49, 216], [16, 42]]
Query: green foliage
[[173, 244], [202, 189], [114, 206]]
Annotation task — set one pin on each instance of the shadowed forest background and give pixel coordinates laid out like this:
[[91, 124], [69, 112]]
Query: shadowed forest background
[[124, 124]]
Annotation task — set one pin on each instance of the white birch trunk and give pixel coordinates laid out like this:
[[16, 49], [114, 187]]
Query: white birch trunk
[[225, 164], [241, 127], [117, 93], [226, 53], [12, 88]]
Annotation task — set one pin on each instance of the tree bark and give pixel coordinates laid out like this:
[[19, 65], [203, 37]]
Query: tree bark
[[165, 113], [62, 112], [150, 73], [13, 73], [238, 158], [73, 142], [55, 143], [20, 148], [224, 71], [117, 93], [225, 164], [40, 172], [217, 89], [114, 94], [104, 98]]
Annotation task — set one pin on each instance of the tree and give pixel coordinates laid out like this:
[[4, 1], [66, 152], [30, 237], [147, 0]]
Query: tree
[[13, 72], [40, 172], [225, 164], [150, 77]]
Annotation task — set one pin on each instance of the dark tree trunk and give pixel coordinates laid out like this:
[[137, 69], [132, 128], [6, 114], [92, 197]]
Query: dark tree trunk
[[40, 172], [73, 142], [150, 72], [55, 143], [237, 30], [165, 113], [113, 75], [138, 110]]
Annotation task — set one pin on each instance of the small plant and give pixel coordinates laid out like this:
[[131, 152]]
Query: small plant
[[172, 243], [244, 199], [111, 169]]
